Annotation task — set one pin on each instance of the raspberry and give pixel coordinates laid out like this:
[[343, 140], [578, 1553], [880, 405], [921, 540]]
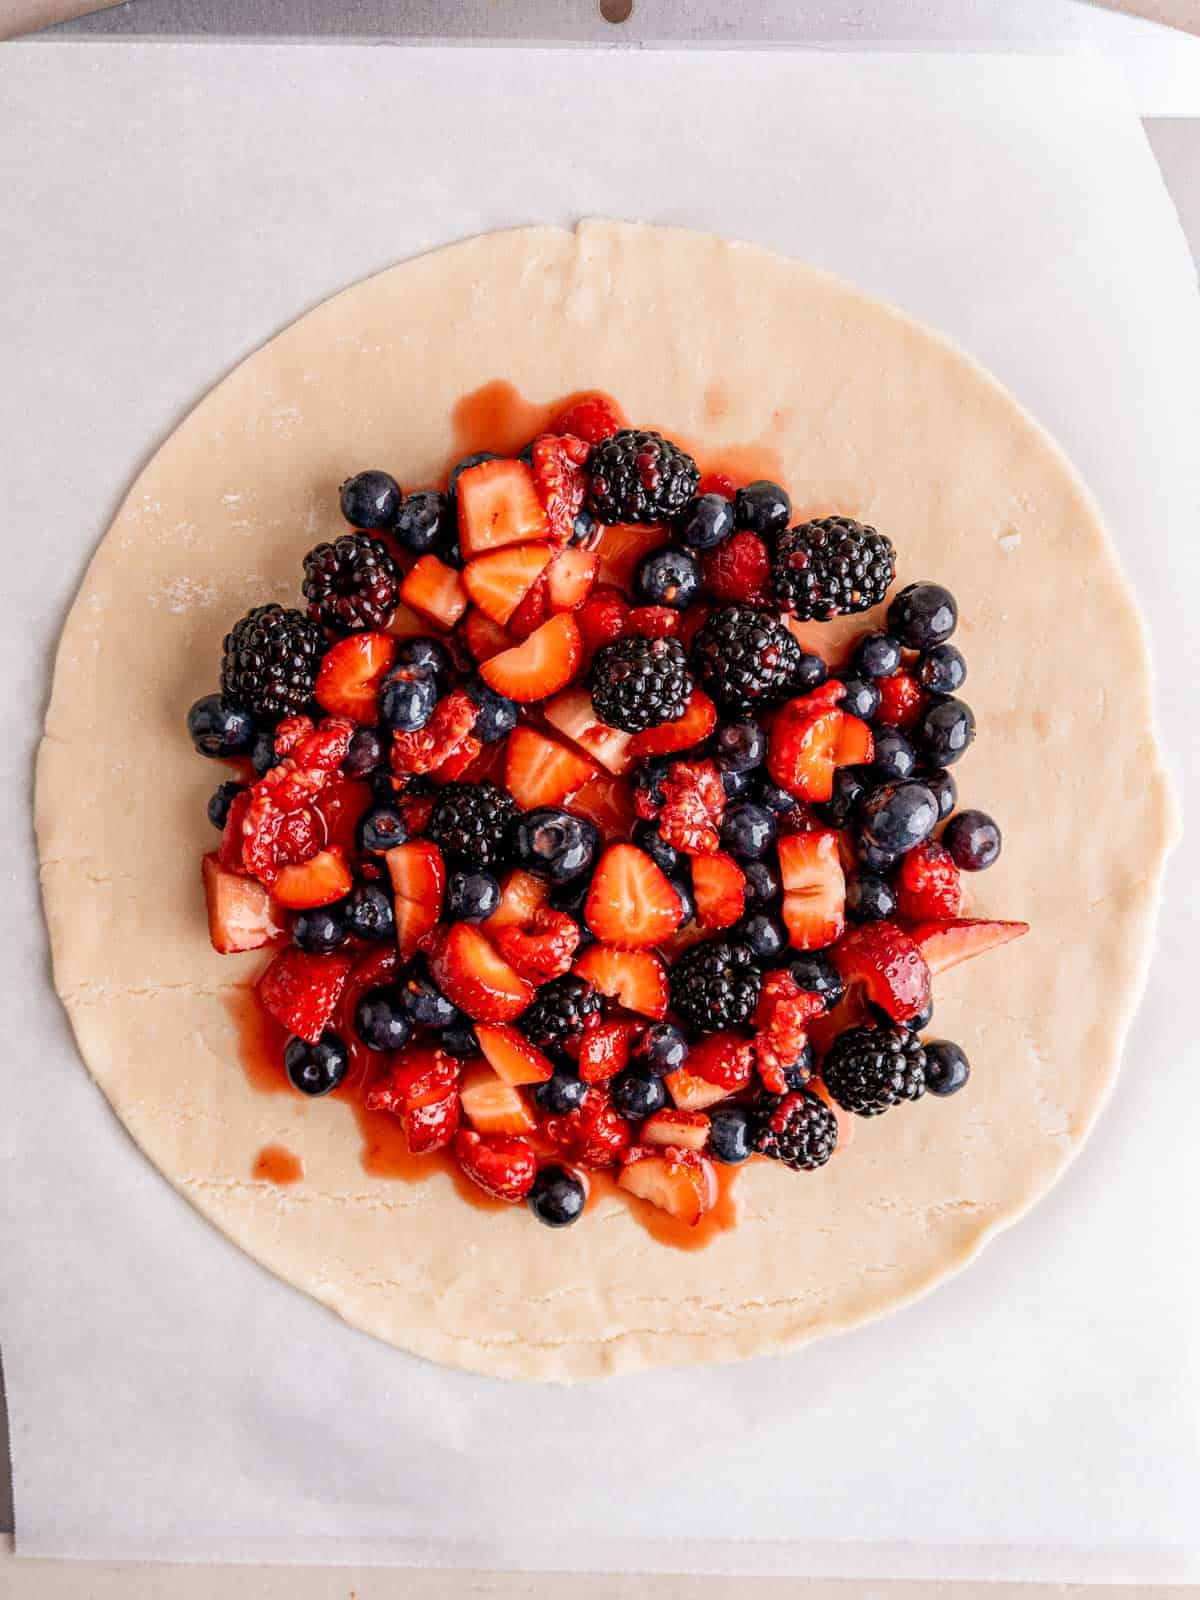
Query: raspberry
[[737, 569], [594, 1135], [927, 885], [653, 622], [900, 700], [591, 416], [424, 751], [545, 949], [723, 1059], [602, 618], [693, 807], [781, 1020], [558, 463]]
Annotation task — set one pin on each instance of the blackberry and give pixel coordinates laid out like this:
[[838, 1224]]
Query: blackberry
[[557, 1015], [638, 683], [830, 568], [351, 584], [271, 661], [869, 1070], [639, 477], [471, 821], [798, 1129], [715, 985], [746, 659]]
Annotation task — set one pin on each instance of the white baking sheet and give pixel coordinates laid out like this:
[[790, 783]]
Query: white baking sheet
[[164, 208]]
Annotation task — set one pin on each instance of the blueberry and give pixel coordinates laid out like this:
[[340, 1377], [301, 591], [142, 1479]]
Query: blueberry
[[748, 831], [872, 859], [945, 729], [471, 896], [583, 529], [426, 523], [476, 460], [320, 930], [816, 974], [707, 522], [459, 1040], [946, 1067], [850, 786], [316, 1068], [381, 1021], [371, 500], [369, 913], [762, 507], [379, 830], [735, 784], [869, 898], [563, 1092], [877, 655], [765, 934], [407, 699], [922, 615], [944, 790], [554, 845], [687, 899], [762, 883], [861, 699], [637, 1095], [220, 801], [973, 839], [773, 797], [557, 1197], [921, 1021], [811, 672], [365, 753], [426, 655], [497, 715], [739, 746], [895, 757], [730, 1135], [424, 1001], [571, 896], [898, 816], [262, 753], [220, 729], [661, 1049], [667, 577], [942, 670]]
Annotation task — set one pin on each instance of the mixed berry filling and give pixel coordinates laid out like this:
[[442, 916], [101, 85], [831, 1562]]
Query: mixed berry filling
[[576, 851]]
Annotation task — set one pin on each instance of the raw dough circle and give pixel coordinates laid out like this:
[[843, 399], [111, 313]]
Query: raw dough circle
[[870, 414]]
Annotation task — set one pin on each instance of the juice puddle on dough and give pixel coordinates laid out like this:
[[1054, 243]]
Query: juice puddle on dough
[[274, 1164]]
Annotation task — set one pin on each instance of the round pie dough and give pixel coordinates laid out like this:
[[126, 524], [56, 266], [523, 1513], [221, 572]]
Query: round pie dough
[[867, 413]]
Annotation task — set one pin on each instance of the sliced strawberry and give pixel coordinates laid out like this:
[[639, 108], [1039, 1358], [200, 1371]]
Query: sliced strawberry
[[484, 638], [691, 1092], [502, 1165], [545, 663], [900, 700], [351, 673], [558, 463], [510, 1054], [340, 807], [591, 417], [622, 545], [889, 964], [636, 979], [608, 802], [520, 896], [604, 1050], [594, 1135], [301, 991], [631, 902], [680, 1130], [436, 591], [738, 569], [317, 882], [406, 624], [781, 1021], [426, 750], [654, 622], [725, 1059], [803, 748], [681, 1183], [855, 745], [692, 728], [570, 577], [693, 808], [543, 950], [229, 853], [498, 505], [492, 1106], [497, 582], [476, 979], [946, 944], [542, 772], [814, 888], [532, 611], [241, 915], [574, 715], [719, 886], [927, 885], [461, 761], [602, 618], [418, 876]]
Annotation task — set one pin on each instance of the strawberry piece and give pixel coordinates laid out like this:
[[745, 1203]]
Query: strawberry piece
[[889, 964], [416, 809], [593, 1135], [590, 417], [460, 761], [340, 807], [814, 888], [622, 545], [424, 751], [498, 505], [654, 622], [558, 463], [405, 623], [570, 577], [492, 1106], [351, 673], [692, 728], [855, 745], [604, 1050], [436, 591], [240, 912], [520, 896], [900, 700], [724, 1059], [472, 976], [418, 876], [532, 611], [738, 569], [928, 888], [541, 666], [719, 885], [498, 582], [631, 902], [635, 979], [680, 1130], [324, 748], [542, 772], [681, 1183], [545, 949], [574, 715], [483, 637], [229, 853], [803, 748], [510, 1054], [691, 1092], [781, 1028], [717, 483], [946, 944], [301, 991], [501, 1165], [608, 802], [693, 808], [318, 882], [602, 618]]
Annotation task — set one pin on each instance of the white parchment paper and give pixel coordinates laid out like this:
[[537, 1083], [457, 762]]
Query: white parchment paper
[[165, 208]]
